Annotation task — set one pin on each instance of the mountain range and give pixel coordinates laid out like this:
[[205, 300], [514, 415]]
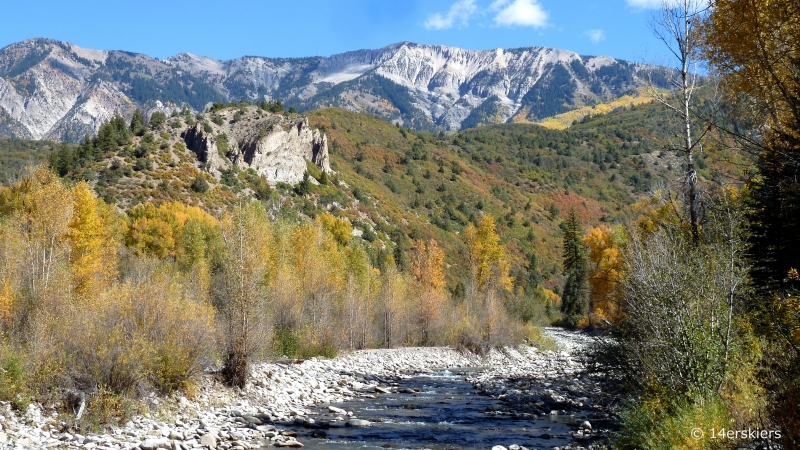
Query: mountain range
[[56, 90]]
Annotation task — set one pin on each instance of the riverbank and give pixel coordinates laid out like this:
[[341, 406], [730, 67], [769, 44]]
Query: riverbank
[[287, 396]]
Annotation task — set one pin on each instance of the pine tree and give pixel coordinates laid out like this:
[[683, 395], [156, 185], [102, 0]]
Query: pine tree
[[575, 301], [534, 276], [303, 188], [137, 123]]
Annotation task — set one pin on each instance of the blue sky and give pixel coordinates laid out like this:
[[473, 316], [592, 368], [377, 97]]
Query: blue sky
[[233, 28]]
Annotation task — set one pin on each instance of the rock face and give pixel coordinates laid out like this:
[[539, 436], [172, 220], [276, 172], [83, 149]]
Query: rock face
[[275, 146], [49, 89], [56, 90]]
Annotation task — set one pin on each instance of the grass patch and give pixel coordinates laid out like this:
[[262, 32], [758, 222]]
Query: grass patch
[[661, 422], [539, 339]]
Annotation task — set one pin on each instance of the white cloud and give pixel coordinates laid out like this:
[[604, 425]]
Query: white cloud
[[527, 13], [596, 35], [459, 12]]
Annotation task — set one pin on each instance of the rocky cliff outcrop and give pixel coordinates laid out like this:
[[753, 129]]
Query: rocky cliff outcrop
[[275, 146], [205, 146]]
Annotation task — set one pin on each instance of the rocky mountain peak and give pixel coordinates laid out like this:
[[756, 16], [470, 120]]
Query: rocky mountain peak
[[56, 90]]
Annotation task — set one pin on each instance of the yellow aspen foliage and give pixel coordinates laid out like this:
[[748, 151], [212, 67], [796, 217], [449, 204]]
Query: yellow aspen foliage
[[427, 267], [487, 259], [319, 266], [651, 212], [11, 267], [197, 241], [552, 297], [755, 47], [151, 236], [93, 255], [7, 300], [158, 231], [39, 209], [243, 287], [341, 229], [605, 268]]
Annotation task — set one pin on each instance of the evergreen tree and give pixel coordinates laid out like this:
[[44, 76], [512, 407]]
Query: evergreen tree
[[137, 123], [534, 276], [62, 160], [157, 119], [106, 139], [575, 301], [304, 187]]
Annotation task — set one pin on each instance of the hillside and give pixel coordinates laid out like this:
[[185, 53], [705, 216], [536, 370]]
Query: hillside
[[59, 91], [395, 185]]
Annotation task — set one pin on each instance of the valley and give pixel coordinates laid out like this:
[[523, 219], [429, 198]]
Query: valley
[[412, 245]]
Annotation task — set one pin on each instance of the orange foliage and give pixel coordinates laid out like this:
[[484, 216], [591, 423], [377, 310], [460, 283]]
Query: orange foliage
[[586, 209]]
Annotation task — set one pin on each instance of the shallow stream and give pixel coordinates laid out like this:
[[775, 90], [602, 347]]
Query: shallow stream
[[439, 410]]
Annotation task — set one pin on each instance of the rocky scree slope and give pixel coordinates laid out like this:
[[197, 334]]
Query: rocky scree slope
[[59, 91]]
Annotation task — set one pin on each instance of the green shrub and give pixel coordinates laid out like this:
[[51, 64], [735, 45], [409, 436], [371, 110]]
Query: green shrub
[[661, 422], [13, 379], [285, 342], [222, 144], [146, 333], [107, 408], [325, 350], [157, 119], [199, 184]]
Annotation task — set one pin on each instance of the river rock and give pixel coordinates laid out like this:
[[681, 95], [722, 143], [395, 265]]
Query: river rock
[[252, 419], [358, 423], [156, 443], [175, 436], [336, 410], [209, 440]]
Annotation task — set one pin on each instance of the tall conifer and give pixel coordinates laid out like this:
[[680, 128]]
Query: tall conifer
[[575, 299]]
